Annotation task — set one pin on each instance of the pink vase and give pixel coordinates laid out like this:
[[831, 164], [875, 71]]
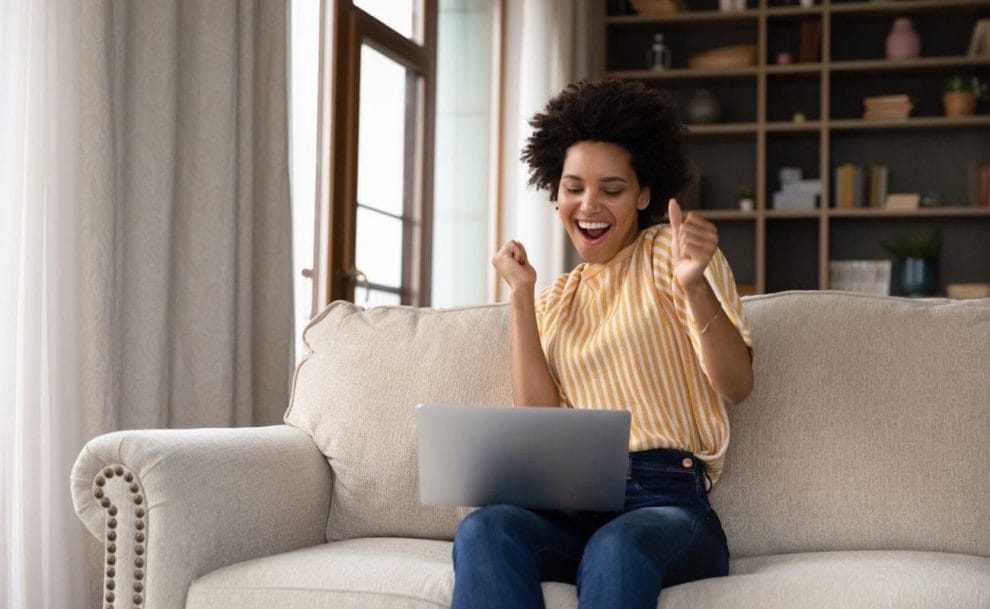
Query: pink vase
[[903, 42]]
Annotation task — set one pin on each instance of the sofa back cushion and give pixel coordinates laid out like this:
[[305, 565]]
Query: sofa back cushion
[[356, 394], [868, 427]]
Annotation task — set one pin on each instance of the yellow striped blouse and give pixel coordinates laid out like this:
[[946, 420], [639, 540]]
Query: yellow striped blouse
[[619, 335]]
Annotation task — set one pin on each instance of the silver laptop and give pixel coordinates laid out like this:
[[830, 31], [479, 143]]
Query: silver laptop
[[534, 457]]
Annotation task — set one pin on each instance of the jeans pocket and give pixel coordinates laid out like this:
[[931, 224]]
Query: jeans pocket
[[656, 480]]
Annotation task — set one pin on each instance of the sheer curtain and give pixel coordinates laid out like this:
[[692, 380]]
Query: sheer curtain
[[43, 543], [549, 44]]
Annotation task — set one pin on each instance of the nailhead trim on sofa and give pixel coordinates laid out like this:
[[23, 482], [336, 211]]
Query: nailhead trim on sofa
[[119, 475]]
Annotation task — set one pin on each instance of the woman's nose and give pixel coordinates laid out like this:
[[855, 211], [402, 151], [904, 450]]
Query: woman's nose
[[589, 202]]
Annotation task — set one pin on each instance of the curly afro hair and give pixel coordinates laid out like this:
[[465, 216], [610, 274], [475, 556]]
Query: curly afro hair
[[641, 120]]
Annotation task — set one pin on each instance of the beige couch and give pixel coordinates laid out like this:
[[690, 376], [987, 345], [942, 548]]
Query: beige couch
[[857, 474]]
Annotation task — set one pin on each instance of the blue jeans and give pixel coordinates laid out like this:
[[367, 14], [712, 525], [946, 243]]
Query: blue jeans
[[666, 534]]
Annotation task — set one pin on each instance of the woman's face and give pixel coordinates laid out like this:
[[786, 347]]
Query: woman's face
[[599, 198]]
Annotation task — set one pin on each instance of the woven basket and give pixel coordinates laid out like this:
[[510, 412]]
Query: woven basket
[[725, 57]]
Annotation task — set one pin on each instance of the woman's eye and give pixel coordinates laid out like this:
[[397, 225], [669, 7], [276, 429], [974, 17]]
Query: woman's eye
[[613, 193], [573, 191]]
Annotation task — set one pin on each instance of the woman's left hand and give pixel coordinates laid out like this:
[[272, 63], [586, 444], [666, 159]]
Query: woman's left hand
[[694, 242]]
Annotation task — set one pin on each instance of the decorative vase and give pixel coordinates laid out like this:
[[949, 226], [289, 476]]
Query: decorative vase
[[658, 57], [903, 41], [918, 276], [959, 103], [703, 108]]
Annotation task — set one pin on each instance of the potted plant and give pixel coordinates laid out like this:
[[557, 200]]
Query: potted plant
[[961, 94], [916, 261], [747, 199]]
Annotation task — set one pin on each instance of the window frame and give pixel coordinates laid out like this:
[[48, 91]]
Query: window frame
[[344, 28]]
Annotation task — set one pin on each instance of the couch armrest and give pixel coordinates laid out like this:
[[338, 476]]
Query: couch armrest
[[171, 505]]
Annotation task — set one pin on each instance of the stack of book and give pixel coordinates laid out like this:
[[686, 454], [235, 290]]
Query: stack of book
[[877, 182], [855, 187], [978, 184], [796, 194], [848, 186], [903, 200], [864, 276], [887, 107], [811, 40]]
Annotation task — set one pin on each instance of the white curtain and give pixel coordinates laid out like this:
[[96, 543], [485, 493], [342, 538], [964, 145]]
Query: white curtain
[[549, 44], [187, 230], [39, 368], [145, 249]]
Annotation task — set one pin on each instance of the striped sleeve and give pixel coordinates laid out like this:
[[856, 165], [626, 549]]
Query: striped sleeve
[[541, 303], [662, 271]]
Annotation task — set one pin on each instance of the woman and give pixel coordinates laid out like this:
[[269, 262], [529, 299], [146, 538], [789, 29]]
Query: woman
[[650, 322]]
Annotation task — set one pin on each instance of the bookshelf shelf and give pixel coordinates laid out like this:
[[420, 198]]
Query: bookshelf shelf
[[924, 212], [927, 153], [774, 214], [926, 122], [684, 73], [706, 16], [886, 65], [713, 214], [801, 69], [722, 129], [903, 6], [794, 11], [784, 127]]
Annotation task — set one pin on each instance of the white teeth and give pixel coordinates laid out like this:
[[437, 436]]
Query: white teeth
[[593, 225]]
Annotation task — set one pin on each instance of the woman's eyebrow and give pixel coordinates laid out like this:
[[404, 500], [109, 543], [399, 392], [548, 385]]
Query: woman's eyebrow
[[607, 179]]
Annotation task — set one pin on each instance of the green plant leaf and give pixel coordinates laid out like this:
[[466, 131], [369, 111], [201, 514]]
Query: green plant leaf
[[925, 245]]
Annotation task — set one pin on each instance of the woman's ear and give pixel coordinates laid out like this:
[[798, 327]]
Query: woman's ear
[[644, 199]]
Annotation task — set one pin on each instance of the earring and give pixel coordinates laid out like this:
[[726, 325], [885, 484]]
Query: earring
[[556, 208]]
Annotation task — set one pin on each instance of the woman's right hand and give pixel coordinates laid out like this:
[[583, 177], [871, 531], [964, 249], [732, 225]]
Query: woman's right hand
[[513, 266]]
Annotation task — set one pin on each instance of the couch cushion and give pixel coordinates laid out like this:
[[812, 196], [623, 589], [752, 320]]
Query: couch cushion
[[356, 393], [416, 573], [373, 573], [848, 580], [867, 428]]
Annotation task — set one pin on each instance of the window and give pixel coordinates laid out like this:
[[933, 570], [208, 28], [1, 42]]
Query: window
[[393, 225], [386, 160], [400, 15], [375, 183], [466, 187]]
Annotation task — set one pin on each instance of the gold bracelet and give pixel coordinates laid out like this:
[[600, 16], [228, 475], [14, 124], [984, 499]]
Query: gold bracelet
[[705, 329]]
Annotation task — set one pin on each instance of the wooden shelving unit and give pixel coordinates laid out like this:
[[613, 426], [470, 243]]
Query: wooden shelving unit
[[917, 6], [777, 250]]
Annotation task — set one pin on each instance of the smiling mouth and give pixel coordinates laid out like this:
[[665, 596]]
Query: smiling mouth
[[594, 232]]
